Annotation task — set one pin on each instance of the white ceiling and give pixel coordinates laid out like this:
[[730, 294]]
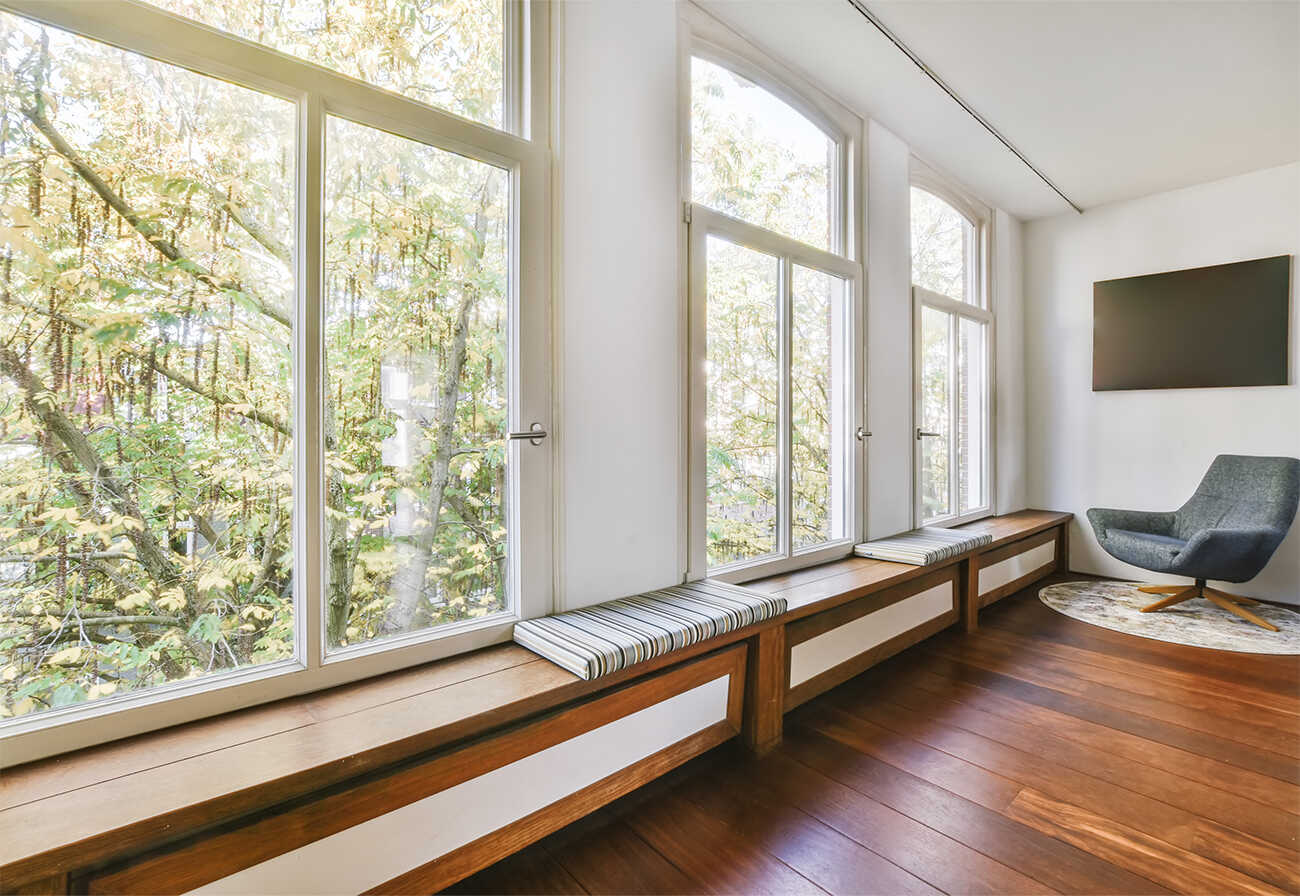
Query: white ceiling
[[1111, 100]]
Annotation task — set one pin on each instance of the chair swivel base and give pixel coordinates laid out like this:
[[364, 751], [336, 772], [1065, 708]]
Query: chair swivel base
[[1179, 593]]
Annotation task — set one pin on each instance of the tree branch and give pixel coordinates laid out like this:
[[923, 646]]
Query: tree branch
[[214, 395], [131, 620], [42, 405], [248, 223], [408, 583], [469, 517], [142, 226]]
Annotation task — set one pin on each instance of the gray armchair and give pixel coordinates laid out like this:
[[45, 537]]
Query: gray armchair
[[1227, 531]]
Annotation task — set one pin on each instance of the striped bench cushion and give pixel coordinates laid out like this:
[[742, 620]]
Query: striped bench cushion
[[604, 638], [921, 547]]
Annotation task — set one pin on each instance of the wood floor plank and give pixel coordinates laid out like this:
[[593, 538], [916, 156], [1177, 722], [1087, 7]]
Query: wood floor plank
[[1139, 674], [711, 853], [820, 853], [923, 684], [1046, 859], [530, 873], [1196, 715], [1030, 616], [924, 852], [888, 731], [1200, 798], [1272, 728], [614, 859], [1233, 752], [1178, 869]]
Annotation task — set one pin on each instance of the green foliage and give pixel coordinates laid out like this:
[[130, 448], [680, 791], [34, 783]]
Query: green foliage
[[757, 159]]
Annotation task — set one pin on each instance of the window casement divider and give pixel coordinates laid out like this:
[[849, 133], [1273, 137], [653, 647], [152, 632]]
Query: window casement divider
[[697, 423], [309, 366], [760, 239], [785, 410], [954, 414], [944, 303]]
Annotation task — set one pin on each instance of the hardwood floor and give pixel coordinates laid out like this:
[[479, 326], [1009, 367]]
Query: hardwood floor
[[1036, 755]]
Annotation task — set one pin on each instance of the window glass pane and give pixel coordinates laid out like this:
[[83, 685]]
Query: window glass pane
[[145, 408], [971, 422], [417, 316], [743, 384], [817, 381], [936, 354], [754, 157], [447, 53], [942, 248]]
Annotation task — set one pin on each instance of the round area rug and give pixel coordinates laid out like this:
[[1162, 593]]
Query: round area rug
[[1196, 623]]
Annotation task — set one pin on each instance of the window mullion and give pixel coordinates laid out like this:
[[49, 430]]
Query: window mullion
[[954, 404], [514, 112], [785, 414], [309, 502]]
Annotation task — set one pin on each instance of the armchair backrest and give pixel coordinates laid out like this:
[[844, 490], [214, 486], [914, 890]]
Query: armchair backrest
[[1243, 492]]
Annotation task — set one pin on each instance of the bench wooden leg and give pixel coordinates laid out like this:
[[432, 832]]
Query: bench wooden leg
[[970, 593], [765, 683]]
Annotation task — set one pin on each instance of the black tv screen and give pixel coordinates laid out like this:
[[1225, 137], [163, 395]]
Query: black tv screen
[[1223, 325]]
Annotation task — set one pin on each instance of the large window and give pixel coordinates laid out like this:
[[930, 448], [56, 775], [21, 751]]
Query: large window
[[953, 365], [266, 338], [772, 292]]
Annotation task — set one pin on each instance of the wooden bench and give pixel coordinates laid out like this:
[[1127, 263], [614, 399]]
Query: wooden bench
[[499, 739]]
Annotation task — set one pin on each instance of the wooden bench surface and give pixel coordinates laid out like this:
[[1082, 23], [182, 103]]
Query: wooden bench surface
[[103, 802]]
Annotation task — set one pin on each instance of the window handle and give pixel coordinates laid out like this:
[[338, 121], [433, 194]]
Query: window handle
[[863, 433], [922, 434], [535, 434]]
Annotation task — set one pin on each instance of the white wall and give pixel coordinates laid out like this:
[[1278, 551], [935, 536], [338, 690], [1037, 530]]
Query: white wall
[[619, 368], [1010, 492], [889, 342], [1148, 449]]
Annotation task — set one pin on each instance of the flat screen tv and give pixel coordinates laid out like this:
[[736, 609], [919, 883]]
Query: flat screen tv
[[1223, 325]]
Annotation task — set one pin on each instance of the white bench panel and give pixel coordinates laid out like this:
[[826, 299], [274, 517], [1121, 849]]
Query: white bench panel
[[1012, 568], [375, 851], [811, 658]]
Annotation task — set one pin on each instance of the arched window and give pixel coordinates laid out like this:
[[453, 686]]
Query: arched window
[[953, 363], [757, 158], [943, 248], [772, 463]]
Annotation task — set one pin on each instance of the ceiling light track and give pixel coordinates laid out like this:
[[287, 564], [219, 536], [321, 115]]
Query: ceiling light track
[[919, 63]]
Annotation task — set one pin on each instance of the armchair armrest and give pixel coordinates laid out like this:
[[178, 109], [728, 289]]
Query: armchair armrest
[[1104, 519], [1234, 554]]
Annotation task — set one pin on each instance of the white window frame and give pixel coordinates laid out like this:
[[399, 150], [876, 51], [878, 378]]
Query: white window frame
[[979, 280], [702, 36], [522, 148]]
